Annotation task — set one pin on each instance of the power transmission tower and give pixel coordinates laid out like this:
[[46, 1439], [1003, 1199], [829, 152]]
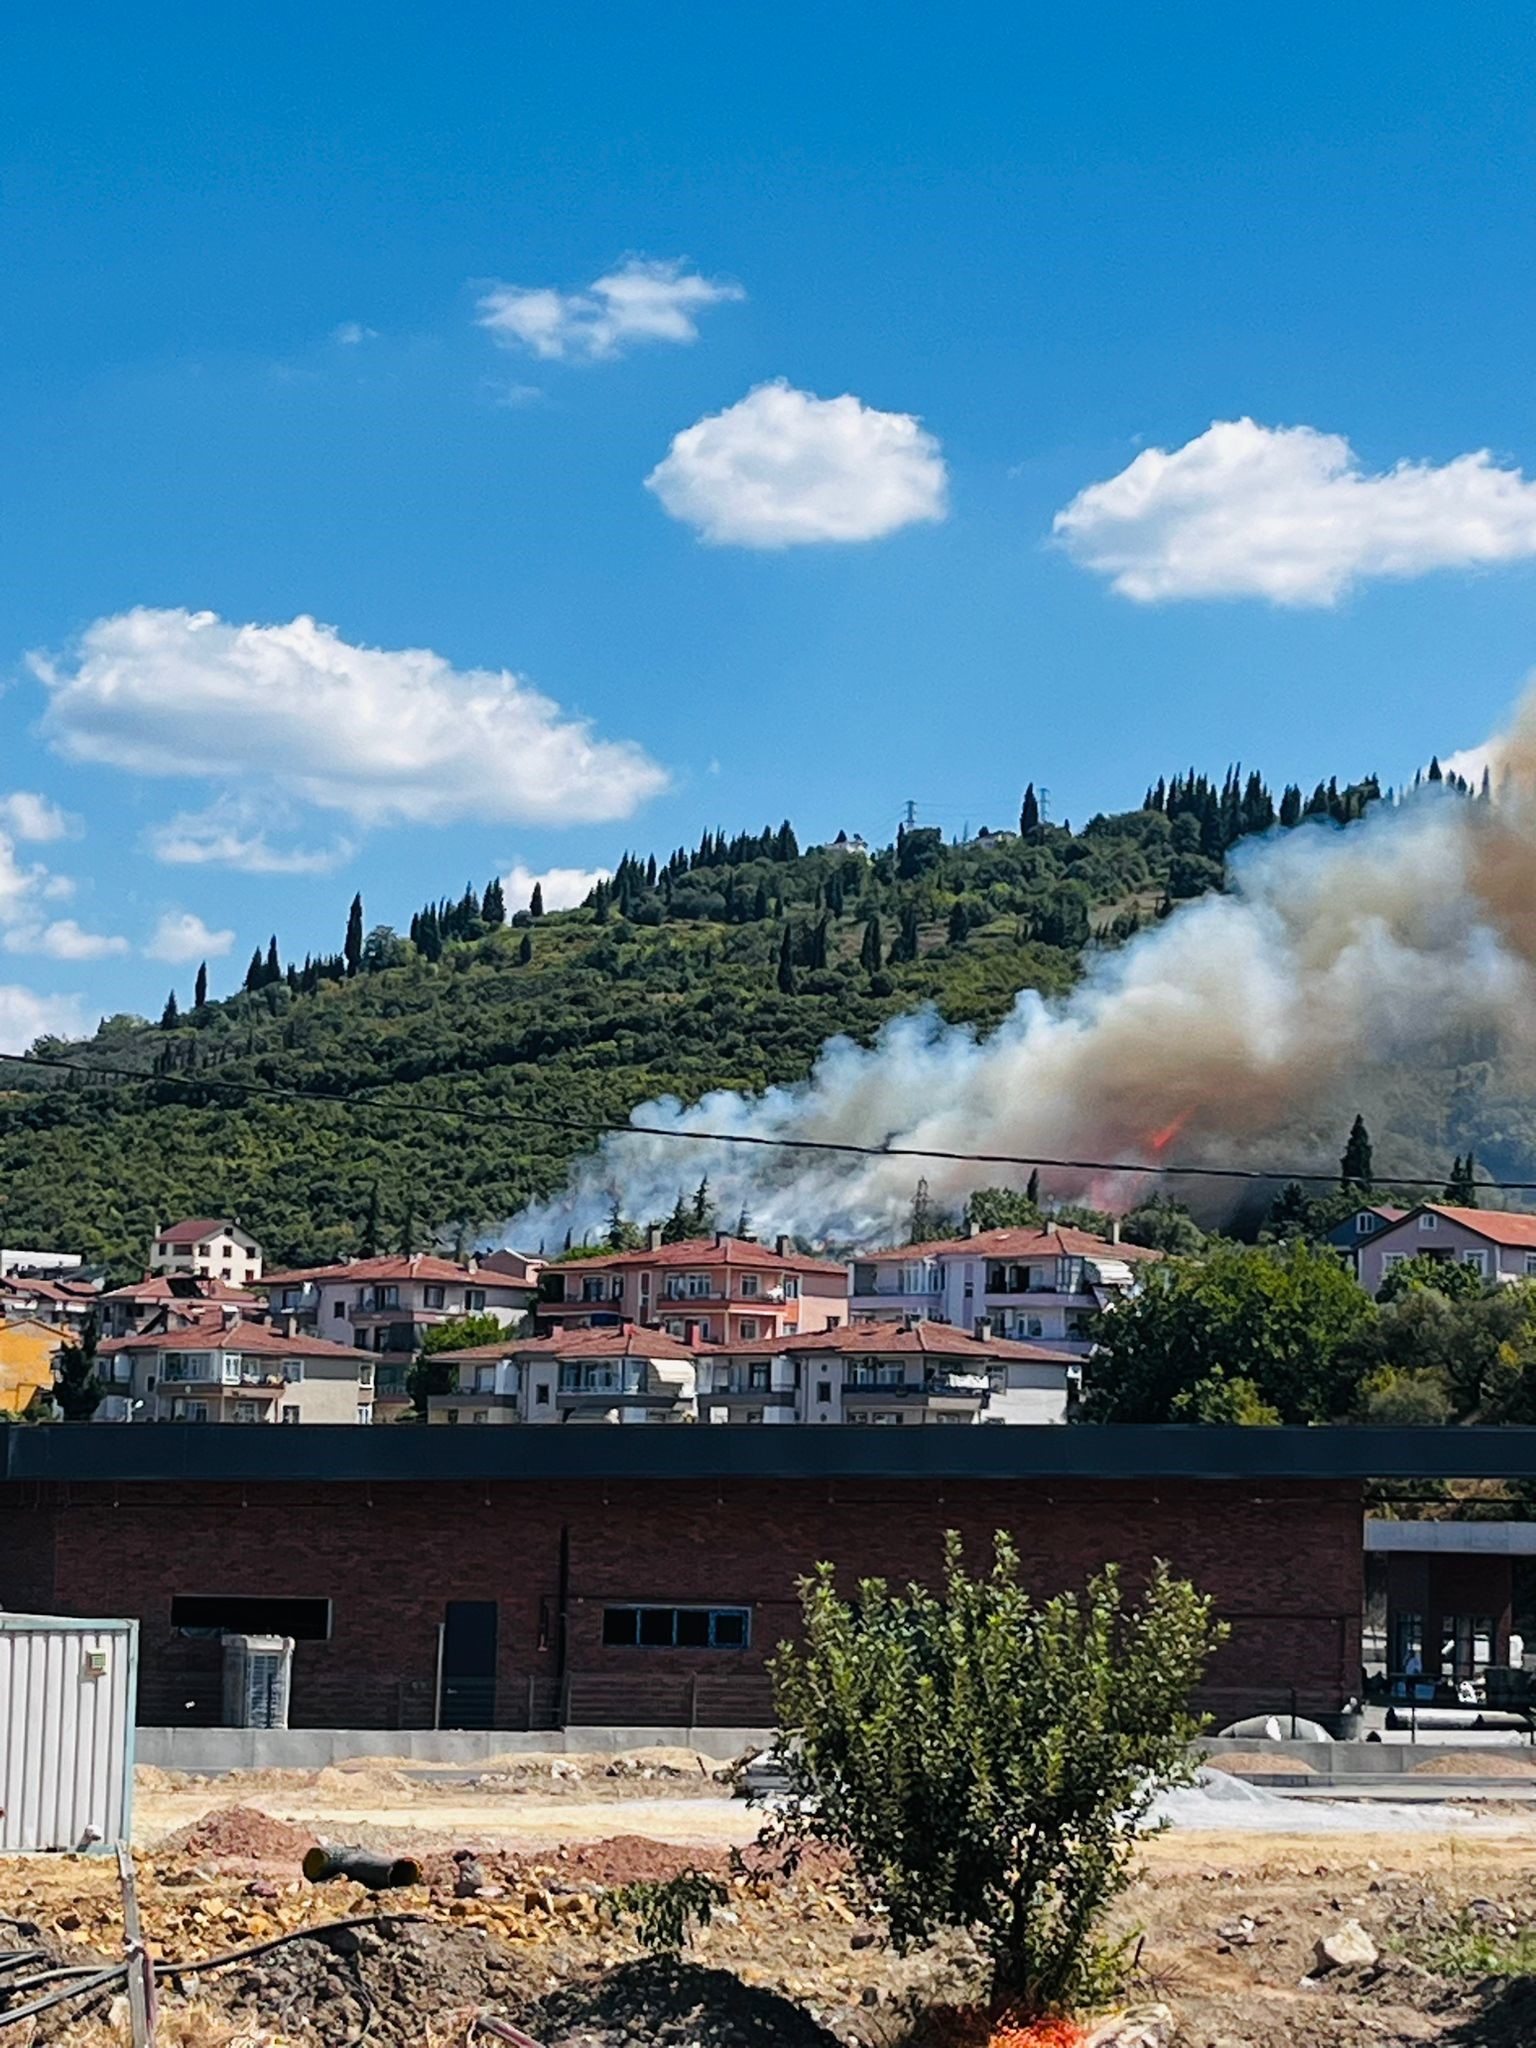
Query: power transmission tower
[[909, 812]]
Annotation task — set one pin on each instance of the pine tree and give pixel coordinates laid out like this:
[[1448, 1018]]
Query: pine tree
[[905, 946], [871, 955], [170, 1016], [744, 1223], [1461, 1188], [1355, 1167], [525, 950], [352, 951], [760, 904], [1436, 773], [920, 1221], [255, 973], [701, 1217], [1032, 1185], [675, 1229], [369, 1248], [1029, 813], [536, 900], [494, 906], [787, 982], [200, 990]]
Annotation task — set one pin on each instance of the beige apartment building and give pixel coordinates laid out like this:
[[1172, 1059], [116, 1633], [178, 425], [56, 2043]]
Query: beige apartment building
[[604, 1374], [213, 1248], [225, 1368]]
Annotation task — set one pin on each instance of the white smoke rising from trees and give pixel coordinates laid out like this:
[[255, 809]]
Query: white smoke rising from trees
[[1336, 957]]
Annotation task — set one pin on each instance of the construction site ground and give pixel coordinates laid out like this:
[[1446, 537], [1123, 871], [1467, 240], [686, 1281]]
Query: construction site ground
[[1229, 1905]]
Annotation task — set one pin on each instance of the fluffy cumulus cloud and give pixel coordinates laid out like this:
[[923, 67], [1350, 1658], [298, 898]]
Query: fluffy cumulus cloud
[[1288, 514], [782, 467], [26, 1016], [562, 888], [181, 936], [383, 735], [642, 301], [232, 833], [64, 939], [24, 814]]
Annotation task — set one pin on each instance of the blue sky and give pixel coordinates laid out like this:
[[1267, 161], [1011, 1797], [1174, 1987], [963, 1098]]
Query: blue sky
[[245, 372]]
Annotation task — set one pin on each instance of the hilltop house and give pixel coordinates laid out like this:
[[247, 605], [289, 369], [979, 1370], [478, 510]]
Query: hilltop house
[[1500, 1243], [719, 1289], [882, 1372], [1041, 1283], [612, 1373], [213, 1248], [225, 1368]]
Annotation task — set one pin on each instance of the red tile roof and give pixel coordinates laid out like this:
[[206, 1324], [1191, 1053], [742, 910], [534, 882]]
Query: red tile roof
[[1499, 1226], [891, 1340], [420, 1266], [213, 1333], [708, 1251], [47, 1290], [1029, 1240], [609, 1340], [195, 1229], [190, 1288]]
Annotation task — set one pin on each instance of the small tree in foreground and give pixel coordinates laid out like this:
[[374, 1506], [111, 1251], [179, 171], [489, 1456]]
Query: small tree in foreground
[[76, 1385], [986, 1759]]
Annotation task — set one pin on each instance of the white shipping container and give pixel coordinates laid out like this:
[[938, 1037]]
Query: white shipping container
[[67, 1698]]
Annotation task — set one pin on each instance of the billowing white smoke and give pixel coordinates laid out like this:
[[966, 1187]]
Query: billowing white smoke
[[1337, 958]]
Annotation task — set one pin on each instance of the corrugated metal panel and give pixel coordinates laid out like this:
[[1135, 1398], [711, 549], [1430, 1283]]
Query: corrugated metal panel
[[67, 1695]]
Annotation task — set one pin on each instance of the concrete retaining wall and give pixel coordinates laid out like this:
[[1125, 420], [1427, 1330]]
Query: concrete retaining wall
[[1334, 1762], [311, 1749]]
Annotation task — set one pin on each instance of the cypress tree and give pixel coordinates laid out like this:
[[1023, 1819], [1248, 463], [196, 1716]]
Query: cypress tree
[[255, 973], [170, 1015], [272, 970], [1032, 1185], [200, 991], [787, 983], [493, 908], [1029, 813], [819, 945], [370, 1244], [525, 950], [760, 904], [352, 951], [536, 900], [871, 955], [77, 1389], [959, 923], [1355, 1167]]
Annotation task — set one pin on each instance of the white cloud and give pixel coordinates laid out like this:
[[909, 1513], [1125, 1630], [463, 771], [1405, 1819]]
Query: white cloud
[[181, 935], [23, 884], [26, 1016], [64, 940], [352, 332], [384, 735], [563, 888], [783, 467], [27, 815], [641, 301], [230, 833], [1288, 514]]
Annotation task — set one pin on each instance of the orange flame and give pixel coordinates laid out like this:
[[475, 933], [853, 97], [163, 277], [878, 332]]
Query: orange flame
[[1161, 1140]]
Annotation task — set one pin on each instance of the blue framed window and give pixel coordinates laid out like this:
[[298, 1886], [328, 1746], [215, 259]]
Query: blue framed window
[[677, 1628]]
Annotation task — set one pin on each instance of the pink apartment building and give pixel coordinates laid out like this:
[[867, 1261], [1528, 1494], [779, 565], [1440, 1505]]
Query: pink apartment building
[[707, 1290]]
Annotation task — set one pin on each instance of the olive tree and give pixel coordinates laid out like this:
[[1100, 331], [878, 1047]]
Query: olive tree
[[987, 1759]]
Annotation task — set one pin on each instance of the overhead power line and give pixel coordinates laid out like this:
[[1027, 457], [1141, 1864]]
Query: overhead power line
[[596, 1127]]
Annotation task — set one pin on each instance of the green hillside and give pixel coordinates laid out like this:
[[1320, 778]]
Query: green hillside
[[725, 966]]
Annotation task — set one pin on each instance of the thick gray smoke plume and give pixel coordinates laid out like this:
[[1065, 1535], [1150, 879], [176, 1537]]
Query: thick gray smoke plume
[[1338, 958]]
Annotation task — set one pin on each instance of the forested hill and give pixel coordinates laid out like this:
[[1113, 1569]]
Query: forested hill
[[727, 965]]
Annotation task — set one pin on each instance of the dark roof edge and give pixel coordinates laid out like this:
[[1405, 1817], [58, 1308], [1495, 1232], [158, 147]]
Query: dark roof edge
[[157, 1452]]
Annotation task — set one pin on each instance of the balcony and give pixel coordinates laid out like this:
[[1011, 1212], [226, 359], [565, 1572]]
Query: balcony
[[966, 1388]]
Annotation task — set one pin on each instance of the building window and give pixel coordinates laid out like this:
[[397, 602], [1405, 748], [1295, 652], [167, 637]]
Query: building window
[[1366, 1222], [791, 1287], [749, 1286], [865, 1280], [365, 1411], [433, 1297], [290, 1414], [365, 1376], [757, 1374], [338, 1308], [257, 1614], [474, 1299], [1429, 1220], [452, 1415], [541, 1395], [823, 1390], [480, 1415], [748, 1329], [677, 1628]]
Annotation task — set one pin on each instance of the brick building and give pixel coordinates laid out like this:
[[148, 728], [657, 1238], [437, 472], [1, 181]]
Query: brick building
[[644, 1576]]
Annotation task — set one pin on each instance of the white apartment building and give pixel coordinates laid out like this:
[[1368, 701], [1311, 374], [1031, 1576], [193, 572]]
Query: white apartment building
[[1040, 1284], [213, 1248], [888, 1373], [614, 1373], [226, 1369]]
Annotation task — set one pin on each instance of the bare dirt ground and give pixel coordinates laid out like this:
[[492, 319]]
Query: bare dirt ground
[[1228, 1923]]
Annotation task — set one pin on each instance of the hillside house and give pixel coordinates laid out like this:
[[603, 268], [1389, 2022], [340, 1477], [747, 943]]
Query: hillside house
[[62, 1304], [1043, 1283], [213, 1248], [888, 1373], [225, 1368], [705, 1290], [163, 1301], [1357, 1229], [1500, 1243], [612, 1373]]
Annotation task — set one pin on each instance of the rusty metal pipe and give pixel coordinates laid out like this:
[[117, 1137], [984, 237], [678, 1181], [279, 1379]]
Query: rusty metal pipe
[[328, 1860]]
